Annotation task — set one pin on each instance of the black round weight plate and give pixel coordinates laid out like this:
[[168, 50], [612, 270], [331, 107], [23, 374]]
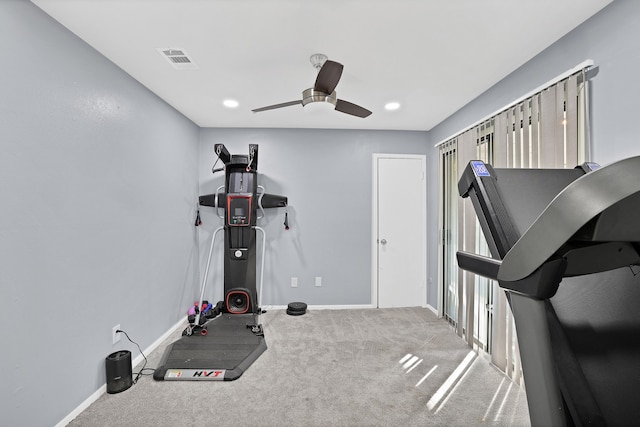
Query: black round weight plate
[[297, 306]]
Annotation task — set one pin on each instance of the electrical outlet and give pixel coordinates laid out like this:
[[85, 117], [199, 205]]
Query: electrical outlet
[[294, 282], [318, 281], [115, 336]]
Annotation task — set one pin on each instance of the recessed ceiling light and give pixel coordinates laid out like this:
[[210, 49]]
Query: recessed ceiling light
[[390, 106], [230, 103]]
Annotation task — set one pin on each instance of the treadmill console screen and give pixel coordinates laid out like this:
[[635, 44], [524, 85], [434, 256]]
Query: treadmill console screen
[[480, 168]]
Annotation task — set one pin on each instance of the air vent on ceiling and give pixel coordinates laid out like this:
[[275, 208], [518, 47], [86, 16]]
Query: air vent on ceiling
[[178, 58]]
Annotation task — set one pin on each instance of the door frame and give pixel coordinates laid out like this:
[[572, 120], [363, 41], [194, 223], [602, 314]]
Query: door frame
[[374, 222]]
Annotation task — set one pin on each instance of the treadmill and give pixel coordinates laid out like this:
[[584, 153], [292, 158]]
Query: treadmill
[[565, 247]]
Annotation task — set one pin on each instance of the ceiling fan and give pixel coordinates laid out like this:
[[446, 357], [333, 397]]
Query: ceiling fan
[[323, 90]]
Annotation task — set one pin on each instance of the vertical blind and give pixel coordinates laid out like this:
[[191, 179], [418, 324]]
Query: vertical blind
[[547, 130]]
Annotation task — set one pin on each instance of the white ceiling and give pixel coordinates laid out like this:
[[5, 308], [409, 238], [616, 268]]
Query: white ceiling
[[431, 56]]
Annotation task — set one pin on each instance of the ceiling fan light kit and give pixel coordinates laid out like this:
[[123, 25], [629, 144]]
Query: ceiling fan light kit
[[329, 73]]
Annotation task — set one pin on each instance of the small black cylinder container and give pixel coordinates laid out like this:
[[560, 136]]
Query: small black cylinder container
[[119, 371]]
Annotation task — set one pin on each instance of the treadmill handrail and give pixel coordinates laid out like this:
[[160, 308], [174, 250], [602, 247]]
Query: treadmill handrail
[[570, 210], [479, 264]]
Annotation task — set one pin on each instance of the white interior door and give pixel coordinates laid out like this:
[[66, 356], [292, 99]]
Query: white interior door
[[399, 226]]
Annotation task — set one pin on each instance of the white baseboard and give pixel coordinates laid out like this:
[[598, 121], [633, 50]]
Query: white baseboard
[[103, 388], [322, 307], [432, 308], [156, 343], [338, 307], [84, 405]]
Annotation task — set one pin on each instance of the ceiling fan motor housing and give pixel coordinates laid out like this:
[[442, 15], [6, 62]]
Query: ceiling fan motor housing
[[311, 95]]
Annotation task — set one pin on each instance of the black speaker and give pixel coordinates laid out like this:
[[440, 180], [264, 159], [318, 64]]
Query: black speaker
[[119, 371], [238, 301]]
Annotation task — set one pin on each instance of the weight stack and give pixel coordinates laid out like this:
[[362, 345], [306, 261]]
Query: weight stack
[[119, 371]]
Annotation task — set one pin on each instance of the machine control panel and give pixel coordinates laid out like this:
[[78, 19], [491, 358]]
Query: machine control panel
[[239, 210]]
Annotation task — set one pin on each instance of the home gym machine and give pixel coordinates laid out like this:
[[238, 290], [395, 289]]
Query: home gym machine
[[222, 341], [565, 247]]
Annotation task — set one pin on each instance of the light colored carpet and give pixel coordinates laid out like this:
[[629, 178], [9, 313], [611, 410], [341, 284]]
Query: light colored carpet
[[333, 368]]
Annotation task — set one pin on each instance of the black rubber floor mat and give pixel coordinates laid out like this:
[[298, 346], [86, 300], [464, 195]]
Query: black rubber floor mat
[[224, 353]]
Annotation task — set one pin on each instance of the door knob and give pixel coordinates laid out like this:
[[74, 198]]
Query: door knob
[[383, 241]]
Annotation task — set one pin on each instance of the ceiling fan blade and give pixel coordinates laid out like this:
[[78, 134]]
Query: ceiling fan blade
[[328, 77], [273, 107], [353, 109]]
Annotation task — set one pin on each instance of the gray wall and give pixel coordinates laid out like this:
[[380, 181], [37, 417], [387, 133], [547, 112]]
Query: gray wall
[[610, 39], [97, 179], [327, 176]]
